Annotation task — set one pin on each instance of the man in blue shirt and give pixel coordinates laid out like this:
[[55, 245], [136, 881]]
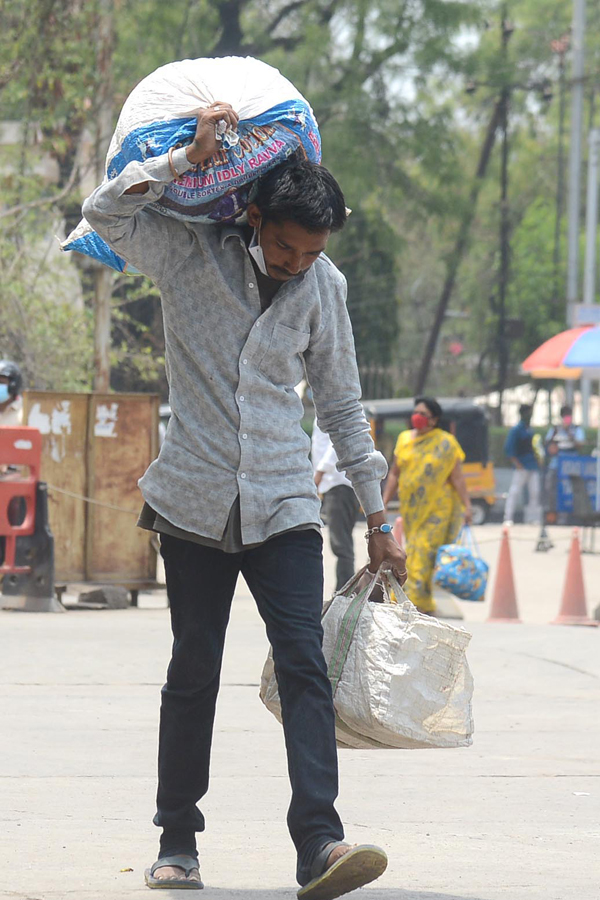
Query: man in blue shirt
[[519, 449]]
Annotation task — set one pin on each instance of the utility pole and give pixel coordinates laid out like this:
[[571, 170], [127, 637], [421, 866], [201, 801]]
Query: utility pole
[[103, 276], [591, 235], [574, 199], [560, 47], [591, 226], [503, 274]]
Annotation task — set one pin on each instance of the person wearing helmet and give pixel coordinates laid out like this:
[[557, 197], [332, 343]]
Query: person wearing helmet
[[11, 384]]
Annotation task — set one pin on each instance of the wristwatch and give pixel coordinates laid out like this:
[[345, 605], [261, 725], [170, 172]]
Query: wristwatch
[[382, 529]]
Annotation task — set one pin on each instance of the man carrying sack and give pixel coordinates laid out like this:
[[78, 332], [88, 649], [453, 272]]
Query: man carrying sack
[[245, 310]]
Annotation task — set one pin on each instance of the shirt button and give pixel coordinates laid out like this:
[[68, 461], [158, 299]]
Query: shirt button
[[251, 284], [258, 324], [244, 437], [245, 362], [242, 475], [242, 399]]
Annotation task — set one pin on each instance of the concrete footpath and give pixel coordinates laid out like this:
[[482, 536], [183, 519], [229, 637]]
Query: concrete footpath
[[515, 816]]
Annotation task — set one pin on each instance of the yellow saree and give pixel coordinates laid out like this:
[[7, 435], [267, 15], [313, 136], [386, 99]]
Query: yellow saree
[[430, 507]]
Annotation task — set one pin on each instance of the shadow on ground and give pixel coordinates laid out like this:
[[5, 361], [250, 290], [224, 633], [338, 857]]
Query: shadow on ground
[[287, 893]]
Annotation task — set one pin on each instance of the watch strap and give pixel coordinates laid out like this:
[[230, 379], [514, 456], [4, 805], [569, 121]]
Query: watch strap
[[378, 529]]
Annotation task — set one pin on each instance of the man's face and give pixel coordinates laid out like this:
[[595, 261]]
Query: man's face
[[288, 248]]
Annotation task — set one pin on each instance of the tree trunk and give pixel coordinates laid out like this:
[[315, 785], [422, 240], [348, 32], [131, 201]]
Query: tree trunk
[[103, 277], [459, 249], [230, 41]]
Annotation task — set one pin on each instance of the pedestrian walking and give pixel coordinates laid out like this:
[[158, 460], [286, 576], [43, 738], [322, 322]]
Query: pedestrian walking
[[247, 310], [434, 502], [339, 502], [519, 449]]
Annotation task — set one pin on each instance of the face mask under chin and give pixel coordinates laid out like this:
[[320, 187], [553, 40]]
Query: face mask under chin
[[256, 252]]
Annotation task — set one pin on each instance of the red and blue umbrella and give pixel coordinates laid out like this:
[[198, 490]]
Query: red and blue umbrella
[[571, 354], [574, 353]]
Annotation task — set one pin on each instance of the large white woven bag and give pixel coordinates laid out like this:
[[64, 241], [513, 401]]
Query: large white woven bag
[[400, 679]]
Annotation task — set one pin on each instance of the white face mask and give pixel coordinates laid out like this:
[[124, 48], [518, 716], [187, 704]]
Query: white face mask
[[256, 252]]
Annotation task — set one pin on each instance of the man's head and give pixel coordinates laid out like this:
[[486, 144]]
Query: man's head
[[525, 411], [566, 414], [11, 382], [296, 207]]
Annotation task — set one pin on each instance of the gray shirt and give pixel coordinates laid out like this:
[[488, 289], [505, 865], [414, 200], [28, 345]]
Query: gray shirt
[[235, 428]]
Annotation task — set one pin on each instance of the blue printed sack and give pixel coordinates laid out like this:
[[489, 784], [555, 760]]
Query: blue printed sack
[[460, 569], [275, 123]]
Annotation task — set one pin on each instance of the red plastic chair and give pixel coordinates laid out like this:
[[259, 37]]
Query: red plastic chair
[[19, 446]]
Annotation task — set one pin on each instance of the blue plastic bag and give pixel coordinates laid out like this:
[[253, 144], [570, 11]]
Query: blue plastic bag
[[460, 569]]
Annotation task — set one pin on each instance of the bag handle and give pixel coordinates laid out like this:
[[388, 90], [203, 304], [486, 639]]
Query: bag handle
[[471, 541], [348, 587], [390, 582], [347, 628]]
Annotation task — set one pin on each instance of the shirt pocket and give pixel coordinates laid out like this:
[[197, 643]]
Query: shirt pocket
[[283, 362]]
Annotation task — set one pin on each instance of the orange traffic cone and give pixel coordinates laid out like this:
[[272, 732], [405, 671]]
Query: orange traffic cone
[[504, 601], [573, 607], [398, 531]]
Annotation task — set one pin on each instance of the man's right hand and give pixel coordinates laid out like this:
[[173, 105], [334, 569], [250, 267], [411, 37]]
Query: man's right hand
[[205, 143]]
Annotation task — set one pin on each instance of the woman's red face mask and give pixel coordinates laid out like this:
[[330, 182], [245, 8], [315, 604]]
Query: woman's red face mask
[[419, 421]]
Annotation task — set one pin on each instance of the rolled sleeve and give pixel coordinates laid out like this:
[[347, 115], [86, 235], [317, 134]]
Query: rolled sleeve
[[142, 237], [333, 375]]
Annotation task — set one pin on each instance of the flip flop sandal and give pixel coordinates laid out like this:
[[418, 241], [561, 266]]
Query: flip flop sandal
[[357, 867], [187, 863]]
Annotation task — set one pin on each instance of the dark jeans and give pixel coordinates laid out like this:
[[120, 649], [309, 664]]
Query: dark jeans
[[285, 575], [341, 509]]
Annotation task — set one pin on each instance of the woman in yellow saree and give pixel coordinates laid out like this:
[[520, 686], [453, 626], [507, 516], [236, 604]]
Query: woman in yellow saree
[[434, 502]]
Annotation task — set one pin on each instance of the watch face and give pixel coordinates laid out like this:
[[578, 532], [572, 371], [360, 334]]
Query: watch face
[[385, 528]]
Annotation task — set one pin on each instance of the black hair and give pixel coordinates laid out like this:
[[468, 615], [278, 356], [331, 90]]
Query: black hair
[[566, 410], [302, 192], [525, 410], [12, 373], [432, 405]]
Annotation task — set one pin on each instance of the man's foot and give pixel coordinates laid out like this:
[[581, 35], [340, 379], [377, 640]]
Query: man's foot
[[337, 853], [175, 872], [347, 868]]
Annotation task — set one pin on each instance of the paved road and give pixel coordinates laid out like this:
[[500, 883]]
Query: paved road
[[516, 816]]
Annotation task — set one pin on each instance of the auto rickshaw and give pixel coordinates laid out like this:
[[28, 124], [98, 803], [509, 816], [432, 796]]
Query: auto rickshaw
[[463, 418]]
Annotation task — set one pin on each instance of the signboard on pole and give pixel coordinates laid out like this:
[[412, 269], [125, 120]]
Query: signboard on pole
[[571, 465]]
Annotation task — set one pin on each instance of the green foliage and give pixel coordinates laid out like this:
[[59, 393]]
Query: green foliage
[[40, 327], [536, 296], [387, 83], [366, 252]]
